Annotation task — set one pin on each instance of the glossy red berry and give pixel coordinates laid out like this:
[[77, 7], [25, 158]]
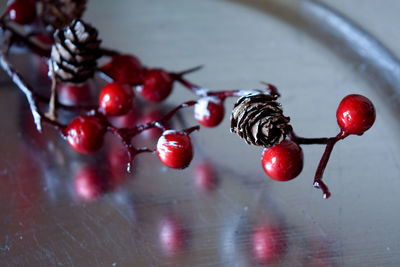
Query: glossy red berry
[[283, 161], [268, 243], [355, 114], [74, 94], [22, 12], [209, 111], [124, 69], [85, 134], [116, 99], [174, 149], [157, 85], [89, 183]]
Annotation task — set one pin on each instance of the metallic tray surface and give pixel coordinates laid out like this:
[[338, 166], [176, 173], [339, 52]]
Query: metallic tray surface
[[314, 52]]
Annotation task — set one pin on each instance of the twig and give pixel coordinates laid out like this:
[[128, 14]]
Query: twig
[[318, 183], [51, 114]]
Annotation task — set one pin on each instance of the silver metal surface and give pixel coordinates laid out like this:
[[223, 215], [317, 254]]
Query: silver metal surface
[[162, 217]]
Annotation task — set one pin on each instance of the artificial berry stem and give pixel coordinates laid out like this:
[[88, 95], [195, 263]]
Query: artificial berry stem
[[191, 129], [109, 52], [318, 183], [222, 95], [169, 115], [183, 73], [125, 135], [307, 141], [159, 124], [131, 150]]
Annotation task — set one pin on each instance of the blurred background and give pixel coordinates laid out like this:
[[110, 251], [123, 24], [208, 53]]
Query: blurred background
[[59, 208]]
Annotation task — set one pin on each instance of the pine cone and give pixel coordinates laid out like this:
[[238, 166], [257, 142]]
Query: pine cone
[[258, 119], [60, 13], [75, 52]]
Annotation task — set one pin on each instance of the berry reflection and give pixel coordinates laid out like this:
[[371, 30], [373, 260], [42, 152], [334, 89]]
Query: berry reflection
[[173, 235], [205, 176]]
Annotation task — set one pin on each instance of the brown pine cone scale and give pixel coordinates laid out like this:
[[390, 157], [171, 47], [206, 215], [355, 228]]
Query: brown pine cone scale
[[75, 52], [259, 120]]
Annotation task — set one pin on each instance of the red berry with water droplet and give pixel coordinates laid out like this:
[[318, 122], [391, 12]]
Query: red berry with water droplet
[[174, 149], [355, 114], [116, 99], [209, 111], [157, 85], [85, 133], [283, 161]]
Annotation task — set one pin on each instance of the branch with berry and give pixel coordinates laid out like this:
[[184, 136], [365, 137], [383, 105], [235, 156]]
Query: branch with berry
[[72, 48]]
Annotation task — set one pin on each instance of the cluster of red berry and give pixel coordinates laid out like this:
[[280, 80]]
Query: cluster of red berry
[[85, 133], [284, 161]]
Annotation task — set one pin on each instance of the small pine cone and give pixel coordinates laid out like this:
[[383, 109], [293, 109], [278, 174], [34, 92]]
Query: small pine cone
[[258, 119], [60, 13], [75, 52]]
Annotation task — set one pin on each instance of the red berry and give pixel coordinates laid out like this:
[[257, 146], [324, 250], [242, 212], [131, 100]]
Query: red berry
[[174, 149], [157, 85], [89, 184], [116, 99], [355, 114], [268, 243], [22, 12], [283, 161], [209, 111], [74, 94], [124, 69], [85, 134]]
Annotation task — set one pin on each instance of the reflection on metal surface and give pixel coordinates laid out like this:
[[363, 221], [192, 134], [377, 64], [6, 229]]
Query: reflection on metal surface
[[205, 176], [162, 217], [174, 237]]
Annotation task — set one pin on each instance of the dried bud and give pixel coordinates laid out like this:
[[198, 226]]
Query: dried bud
[[258, 119], [60, 13], [75, 52]]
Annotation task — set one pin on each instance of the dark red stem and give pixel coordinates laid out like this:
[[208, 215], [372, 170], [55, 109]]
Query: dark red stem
[[108, 52], [126, 141], [203, 92], [318, 183], [160, 123], [307, 141], [126, 135], [192, 129]]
